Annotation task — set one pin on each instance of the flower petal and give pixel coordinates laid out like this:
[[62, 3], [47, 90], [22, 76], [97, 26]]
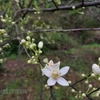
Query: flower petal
[[53, 66], [95, 69], [62, 82], [64, 70], [46, 72], [51, 62], [56, 65], [51, 81]]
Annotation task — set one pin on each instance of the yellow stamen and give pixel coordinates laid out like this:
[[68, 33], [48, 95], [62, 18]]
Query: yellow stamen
[[55, 74]]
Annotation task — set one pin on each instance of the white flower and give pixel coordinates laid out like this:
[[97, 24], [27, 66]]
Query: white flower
[[40, 45], [55, 74], [95, 69]]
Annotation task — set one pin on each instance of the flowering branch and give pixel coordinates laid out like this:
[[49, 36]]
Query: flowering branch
[[82, 80], [94, 91]]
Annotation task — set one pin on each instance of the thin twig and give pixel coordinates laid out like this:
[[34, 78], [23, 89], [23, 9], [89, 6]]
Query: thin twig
[[82, 80], [25, 13], [51, 94], [70, 2], [55, 4], [94, 91], [66, 30], [93, 14], [82, 2]]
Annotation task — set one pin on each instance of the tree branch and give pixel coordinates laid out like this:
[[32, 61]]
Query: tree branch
[[94, 91], [86, 4], [67, 30], [82, 2]]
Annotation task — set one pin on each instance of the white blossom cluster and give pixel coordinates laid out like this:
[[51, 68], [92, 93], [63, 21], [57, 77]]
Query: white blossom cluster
[[94, 75], [36, 49], [7, 20], [3, 38]]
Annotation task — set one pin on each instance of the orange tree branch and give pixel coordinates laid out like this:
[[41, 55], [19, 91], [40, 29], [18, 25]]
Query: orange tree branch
[[77, 6]]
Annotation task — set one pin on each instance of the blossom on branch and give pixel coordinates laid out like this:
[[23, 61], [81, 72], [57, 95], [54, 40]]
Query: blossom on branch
[[40, 45], [55, 74], [96, 69]]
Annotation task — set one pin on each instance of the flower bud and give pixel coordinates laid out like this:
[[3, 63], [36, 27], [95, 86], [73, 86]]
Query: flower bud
[[83, 94], [32, 57], [31, 46], [86, 81], [82, 13], [90, 85], [33, 40], [83, 75], [73, 90], [98, 78], [0, 49], [34, 45], [29, 61], [99, 59], [80, 91], [1, 41], [28, 38], [96, 69], [45, 60], [69, 82], [40, 51], [23, 41], [56, 87], [3, 20], [46, 86], [13, 23], [40, 45], [1, 60], [93, 75], [83, 7], [73, 7]]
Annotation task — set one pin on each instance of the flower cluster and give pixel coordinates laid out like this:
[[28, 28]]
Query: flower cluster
[[3, 38], [7, 20], [30, 44], [54, 73]]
